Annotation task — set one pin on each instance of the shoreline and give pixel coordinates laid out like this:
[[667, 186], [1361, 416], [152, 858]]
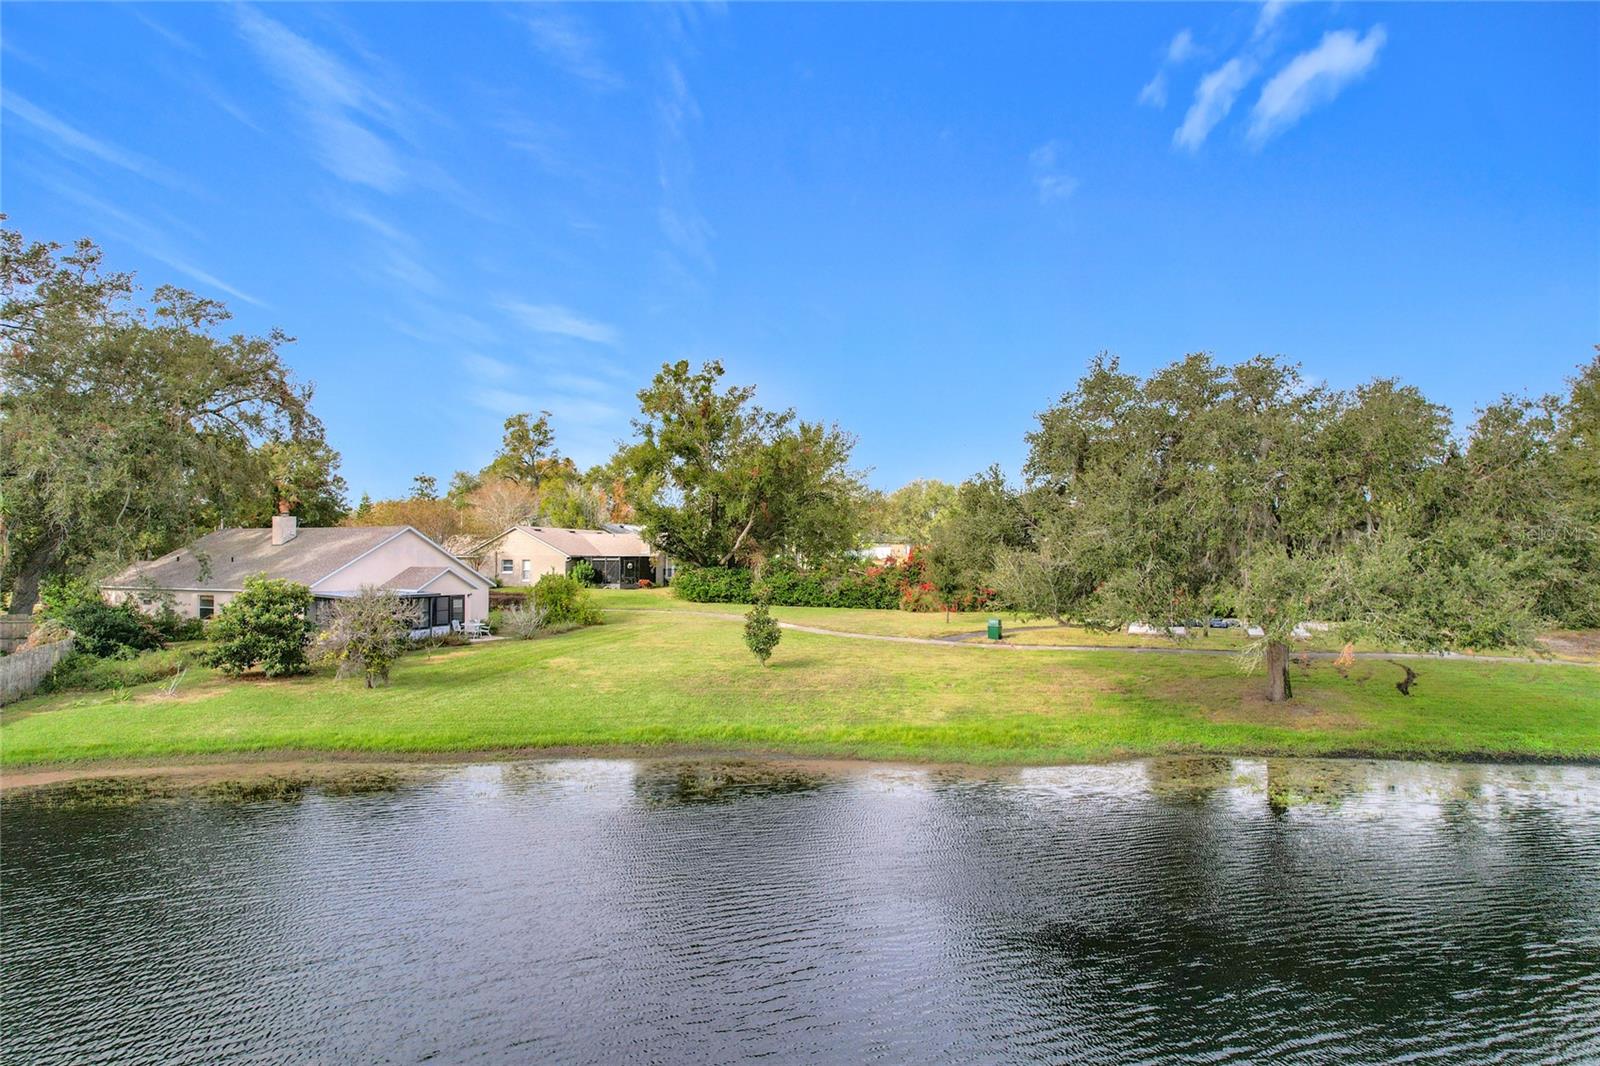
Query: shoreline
[[209, 769]]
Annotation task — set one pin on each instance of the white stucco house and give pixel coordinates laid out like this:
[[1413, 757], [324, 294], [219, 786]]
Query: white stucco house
[[521, 555], [334, 563]]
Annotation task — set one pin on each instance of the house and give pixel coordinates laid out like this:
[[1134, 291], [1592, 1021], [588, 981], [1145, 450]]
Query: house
[[521, 555], [334, 563], [886, 551]]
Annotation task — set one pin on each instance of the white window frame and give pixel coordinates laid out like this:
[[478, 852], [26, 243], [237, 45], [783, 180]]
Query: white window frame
[[508, 566], [527, 569], [205, 606]]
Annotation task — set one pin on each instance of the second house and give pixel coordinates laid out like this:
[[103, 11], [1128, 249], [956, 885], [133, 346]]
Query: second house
[[521, 555]]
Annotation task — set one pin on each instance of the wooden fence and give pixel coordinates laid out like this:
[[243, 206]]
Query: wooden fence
[[14, 629], [21, 672]]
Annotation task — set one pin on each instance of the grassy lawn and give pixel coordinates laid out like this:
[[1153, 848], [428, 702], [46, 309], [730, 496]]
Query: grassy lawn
[[1569, 647], [654, 680]]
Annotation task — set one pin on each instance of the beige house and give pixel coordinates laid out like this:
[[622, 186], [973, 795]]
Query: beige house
[[334, 563], [521, 555]]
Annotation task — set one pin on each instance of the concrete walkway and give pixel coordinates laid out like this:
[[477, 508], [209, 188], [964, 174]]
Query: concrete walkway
[[968, 640]]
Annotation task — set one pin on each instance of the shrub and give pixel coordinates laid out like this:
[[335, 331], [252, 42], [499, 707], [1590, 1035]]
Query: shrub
[[108, 631], [79, 671], [563, 600], [267, 625], [366, 634], [497, 618], [712, 584], [583, 572], [761, 632], [520, 623], [174, 627]]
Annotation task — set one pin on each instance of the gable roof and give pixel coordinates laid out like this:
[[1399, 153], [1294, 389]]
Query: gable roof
[[582, 543], [223, 559], [413, 578]]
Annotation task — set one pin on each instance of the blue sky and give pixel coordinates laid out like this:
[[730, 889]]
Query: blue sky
[[918, 221]]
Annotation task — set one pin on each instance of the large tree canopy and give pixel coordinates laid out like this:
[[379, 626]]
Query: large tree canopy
[[719, 481], [913, 511], [1207, 487], [126, 427]]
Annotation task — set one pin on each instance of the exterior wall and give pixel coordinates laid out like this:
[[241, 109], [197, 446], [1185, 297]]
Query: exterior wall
[[408, 549], [185, 602], [517, 546]]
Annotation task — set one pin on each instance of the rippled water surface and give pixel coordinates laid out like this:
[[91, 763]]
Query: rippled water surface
[[669, 912]]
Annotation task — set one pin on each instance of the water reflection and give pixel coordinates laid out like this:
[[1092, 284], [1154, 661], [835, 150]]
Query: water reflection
[[664, 784], [606, 910]]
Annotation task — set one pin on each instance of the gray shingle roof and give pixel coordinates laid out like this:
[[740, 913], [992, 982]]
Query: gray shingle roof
[[222, 560], [414, 577], [592, 543]]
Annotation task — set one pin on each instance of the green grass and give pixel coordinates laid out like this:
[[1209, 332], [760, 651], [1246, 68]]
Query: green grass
[[1037, 631], [652, 680]]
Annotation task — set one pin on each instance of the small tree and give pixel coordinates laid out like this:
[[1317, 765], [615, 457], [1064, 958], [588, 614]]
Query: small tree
[[367, 633], [761, 632], [564, 601], [268, 624]]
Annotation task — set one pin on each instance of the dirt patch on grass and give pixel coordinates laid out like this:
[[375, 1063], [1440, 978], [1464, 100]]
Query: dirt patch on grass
[[1243, 701], [1580, 644], [189, 694], [439, 657]]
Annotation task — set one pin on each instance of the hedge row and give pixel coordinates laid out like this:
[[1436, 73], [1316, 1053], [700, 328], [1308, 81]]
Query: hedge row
[[877, 588]]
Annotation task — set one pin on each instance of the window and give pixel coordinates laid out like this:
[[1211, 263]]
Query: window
[[208, 607], [507, 566], [527, 569]]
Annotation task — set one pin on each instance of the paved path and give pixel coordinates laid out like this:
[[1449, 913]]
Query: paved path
[[966, 641]]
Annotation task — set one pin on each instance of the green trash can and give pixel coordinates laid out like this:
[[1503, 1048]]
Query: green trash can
[[994, 629]]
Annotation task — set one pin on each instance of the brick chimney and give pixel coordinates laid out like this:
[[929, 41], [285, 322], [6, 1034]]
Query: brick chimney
[[284, 528]]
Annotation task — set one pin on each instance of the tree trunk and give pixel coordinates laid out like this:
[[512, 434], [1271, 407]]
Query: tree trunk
[[33, 569], [1278, 687]]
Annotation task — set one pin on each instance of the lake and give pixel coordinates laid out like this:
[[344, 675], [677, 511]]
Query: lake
[[668, 911]]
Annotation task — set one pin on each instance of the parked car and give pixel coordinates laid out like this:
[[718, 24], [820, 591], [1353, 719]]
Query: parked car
[[1224, 623]]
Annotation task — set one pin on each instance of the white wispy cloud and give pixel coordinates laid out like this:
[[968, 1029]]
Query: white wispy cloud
[[154, 241], [564, 410], [682, 222], [1181, 47], [1179, 50], [337, 103], [1213, 99], [1050, 178], [1313, 77], [1154, 92], [397, 253], [559, 321], [65, 136], [1267, 18], [567, 382], [486, 367], [566, 42]]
